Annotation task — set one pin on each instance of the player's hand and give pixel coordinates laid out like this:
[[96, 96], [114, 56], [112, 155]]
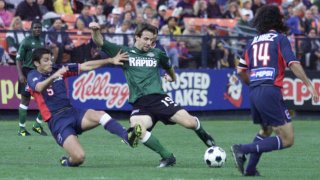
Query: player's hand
[[167, 78], [314, 93], [60, 72], [94, 26], [22, 79], [119, 58]]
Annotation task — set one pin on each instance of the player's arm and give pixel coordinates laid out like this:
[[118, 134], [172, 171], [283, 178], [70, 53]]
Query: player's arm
[[298, 71], [96, 34], [43, 85], [244, 76], [117, 60], [242, 71], [170, 75]]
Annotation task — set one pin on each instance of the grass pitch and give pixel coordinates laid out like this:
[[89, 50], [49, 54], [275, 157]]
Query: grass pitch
[[36, 157]]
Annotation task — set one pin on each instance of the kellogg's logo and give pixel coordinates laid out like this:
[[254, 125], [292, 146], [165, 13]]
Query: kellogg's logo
[[234, 89], [91, 86]]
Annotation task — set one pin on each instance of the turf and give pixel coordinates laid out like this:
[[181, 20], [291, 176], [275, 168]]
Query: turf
[[36, 157]]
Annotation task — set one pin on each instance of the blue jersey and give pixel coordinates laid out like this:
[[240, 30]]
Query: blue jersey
[[266, 57], [55, 97]]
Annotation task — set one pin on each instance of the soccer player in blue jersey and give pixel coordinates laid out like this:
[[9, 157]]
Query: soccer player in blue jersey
[[265, 58], [46, 84]]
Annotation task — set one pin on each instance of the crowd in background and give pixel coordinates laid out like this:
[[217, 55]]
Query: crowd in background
[[184, 43]]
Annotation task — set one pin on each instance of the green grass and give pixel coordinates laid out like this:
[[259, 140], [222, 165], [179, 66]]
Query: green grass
[[36, 157]]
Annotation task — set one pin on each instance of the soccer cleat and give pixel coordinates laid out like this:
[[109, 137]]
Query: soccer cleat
[[255, 173], [210, 141], [166, 162], [23, 132], [64, 161], [239, 157], [39, 130], [205, 137], [134, 135]]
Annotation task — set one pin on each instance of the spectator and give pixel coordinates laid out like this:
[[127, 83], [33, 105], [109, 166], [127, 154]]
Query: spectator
[[115, 17], [139, 19], [162, 11], [200, 9], [256, 5], [59, 40], [5, 16], [213, 9], [311, 51], [15, 37], [127, 16], [184, 55], [108, 7], [99, 17], [13, 4], [246, 9], [194, 43], [84, 18], [308, 21], [172, 24], [42, 7], [245, 25], [28, 10], [233, 11], [110, 34], [170, 46], [62, 7], [130, 8], [124, 30], [49, 5], [148, 13], [187, 8], [294, 22]]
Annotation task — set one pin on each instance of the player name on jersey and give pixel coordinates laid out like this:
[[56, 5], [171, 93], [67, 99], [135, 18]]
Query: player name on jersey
[[264, 37]]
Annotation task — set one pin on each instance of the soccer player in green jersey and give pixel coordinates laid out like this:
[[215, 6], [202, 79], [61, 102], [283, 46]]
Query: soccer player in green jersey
[[24, 66], [149, 101]]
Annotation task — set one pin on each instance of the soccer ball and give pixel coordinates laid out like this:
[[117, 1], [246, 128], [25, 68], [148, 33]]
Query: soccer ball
[[215, 156]]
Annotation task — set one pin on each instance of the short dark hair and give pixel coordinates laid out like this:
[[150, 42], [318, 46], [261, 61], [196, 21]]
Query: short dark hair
[[38, 53], [269, 17], [145, 27], [36, 21]]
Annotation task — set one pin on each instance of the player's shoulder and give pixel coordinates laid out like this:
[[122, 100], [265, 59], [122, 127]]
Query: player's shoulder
[[34, 72]]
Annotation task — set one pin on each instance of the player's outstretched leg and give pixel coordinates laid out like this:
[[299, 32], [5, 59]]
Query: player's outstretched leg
[[37, 126], [203, 135], [239, 157]]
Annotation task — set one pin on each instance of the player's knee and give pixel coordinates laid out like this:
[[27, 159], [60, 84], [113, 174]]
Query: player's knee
[[190, 123], [288, 142], [78, 158]]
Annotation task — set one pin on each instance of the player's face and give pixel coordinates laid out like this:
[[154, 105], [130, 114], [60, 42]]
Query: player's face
[[36, 29], [44, 66], [146, 41]]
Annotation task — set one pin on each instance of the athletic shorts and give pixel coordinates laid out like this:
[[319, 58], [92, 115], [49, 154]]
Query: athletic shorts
[[22, 88], [66, 123], [160, 107], [267, 106]]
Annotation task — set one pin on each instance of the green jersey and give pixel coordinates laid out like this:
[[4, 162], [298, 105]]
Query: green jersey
[[26, 48], [142, 71]]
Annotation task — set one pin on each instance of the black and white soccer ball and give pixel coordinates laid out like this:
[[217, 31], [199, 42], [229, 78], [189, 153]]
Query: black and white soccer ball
[[215, 156]]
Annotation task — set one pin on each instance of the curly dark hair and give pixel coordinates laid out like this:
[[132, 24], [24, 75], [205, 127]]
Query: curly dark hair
[[269, 17]]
